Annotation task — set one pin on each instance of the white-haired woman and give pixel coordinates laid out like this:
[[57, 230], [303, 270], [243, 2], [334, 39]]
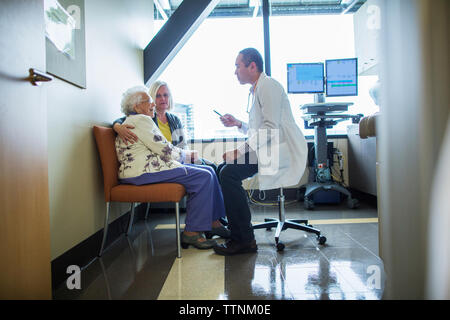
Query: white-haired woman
[[153, 159], [169, 124]]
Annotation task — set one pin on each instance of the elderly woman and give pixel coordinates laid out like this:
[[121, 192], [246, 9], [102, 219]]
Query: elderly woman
[[152, 159], [169, 124]]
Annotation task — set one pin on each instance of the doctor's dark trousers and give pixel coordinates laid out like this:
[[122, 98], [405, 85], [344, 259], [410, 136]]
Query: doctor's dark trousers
[[235, 197]]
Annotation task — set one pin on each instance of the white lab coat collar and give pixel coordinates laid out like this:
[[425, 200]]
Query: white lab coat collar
[[261, 77]]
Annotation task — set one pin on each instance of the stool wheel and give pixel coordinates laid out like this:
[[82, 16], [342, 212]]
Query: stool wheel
[[321, 240], [308, 204], [352, 203]]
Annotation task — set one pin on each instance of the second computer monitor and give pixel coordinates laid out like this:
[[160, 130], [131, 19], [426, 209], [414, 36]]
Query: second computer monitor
[[305, 78], [342, 77]]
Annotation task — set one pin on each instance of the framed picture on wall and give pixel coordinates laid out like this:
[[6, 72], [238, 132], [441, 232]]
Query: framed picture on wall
[[65, 40]]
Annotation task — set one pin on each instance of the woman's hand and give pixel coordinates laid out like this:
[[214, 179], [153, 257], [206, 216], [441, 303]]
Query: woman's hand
[[194, 156], [229, 121], [124, 132], [191, 156]]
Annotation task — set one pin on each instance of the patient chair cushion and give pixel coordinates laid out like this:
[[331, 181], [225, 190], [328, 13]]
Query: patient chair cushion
[[160, 192]]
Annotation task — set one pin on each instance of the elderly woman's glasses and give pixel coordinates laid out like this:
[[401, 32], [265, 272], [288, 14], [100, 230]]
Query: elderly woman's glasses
[[145, 101]]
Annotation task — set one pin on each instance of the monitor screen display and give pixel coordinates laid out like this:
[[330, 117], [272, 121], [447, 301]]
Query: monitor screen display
[[305, 78], [342, 77]]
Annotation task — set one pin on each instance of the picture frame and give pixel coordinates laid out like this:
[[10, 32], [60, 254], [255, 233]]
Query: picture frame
[[65, 42]]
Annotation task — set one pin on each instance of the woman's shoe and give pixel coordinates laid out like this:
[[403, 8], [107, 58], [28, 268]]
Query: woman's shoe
[[219, 231], [186, 241]]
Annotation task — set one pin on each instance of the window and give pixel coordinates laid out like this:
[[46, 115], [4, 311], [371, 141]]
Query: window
[[202, 73], [201, 76], [316, 38]]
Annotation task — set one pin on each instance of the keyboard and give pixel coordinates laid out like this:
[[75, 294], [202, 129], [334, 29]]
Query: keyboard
[[326, 107]]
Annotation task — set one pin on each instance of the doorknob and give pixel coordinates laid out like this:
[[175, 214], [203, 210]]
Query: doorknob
[[36, 77]]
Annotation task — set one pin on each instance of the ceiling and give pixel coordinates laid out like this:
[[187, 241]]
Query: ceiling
[[249, 8]]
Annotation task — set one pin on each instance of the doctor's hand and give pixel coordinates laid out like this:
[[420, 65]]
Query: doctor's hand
[[124, 132], [229, 121], [232, 155]]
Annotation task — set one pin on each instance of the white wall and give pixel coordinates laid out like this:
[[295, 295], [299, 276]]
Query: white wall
[[414, 112], [116, 33]]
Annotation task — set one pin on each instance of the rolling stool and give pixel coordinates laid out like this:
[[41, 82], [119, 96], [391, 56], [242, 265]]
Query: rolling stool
[[282, 224]]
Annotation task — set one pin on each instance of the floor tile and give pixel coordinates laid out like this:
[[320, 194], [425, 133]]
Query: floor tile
[[198, 274]]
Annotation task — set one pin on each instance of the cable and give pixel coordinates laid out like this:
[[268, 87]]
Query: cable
[[264, 195], [340, 171], [272, 204]]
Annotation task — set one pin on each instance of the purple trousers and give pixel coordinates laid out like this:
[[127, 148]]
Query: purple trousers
[[204, 195]]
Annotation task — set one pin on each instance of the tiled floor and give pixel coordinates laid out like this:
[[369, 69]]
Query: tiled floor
[[143, 266]]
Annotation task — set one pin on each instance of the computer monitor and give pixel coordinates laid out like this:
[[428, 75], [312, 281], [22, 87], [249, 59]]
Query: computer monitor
[[342, 77], [305, 78]]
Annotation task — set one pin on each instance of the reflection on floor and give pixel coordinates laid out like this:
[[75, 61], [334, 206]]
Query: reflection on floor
[[143, 265]]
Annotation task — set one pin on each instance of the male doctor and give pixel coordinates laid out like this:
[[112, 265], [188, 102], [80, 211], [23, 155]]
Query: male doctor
[[275, 139]]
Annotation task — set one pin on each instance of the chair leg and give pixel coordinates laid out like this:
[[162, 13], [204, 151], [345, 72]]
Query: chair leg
[[291, 224], [147, 211], [177, 223], [105, 229], [280, 227], [281, 212], [130, 223], [272, 223]]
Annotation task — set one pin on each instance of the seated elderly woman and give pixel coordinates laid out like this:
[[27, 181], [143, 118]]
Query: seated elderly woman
[[152, 159]]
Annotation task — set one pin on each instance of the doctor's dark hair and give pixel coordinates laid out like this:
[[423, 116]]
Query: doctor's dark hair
[[250, 55]]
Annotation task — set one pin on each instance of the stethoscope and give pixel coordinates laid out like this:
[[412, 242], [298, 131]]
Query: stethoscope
[[248, 99]]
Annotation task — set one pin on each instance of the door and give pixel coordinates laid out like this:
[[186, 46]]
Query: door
[[25, 269]]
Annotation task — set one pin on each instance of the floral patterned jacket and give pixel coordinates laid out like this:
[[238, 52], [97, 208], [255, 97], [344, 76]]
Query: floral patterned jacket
[[151, 153]]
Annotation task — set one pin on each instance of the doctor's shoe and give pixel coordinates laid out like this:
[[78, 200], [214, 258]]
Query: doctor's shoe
[[220, 231], [232, 247]]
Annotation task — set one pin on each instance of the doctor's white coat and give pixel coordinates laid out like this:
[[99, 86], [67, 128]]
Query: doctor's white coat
[[275, 137]]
